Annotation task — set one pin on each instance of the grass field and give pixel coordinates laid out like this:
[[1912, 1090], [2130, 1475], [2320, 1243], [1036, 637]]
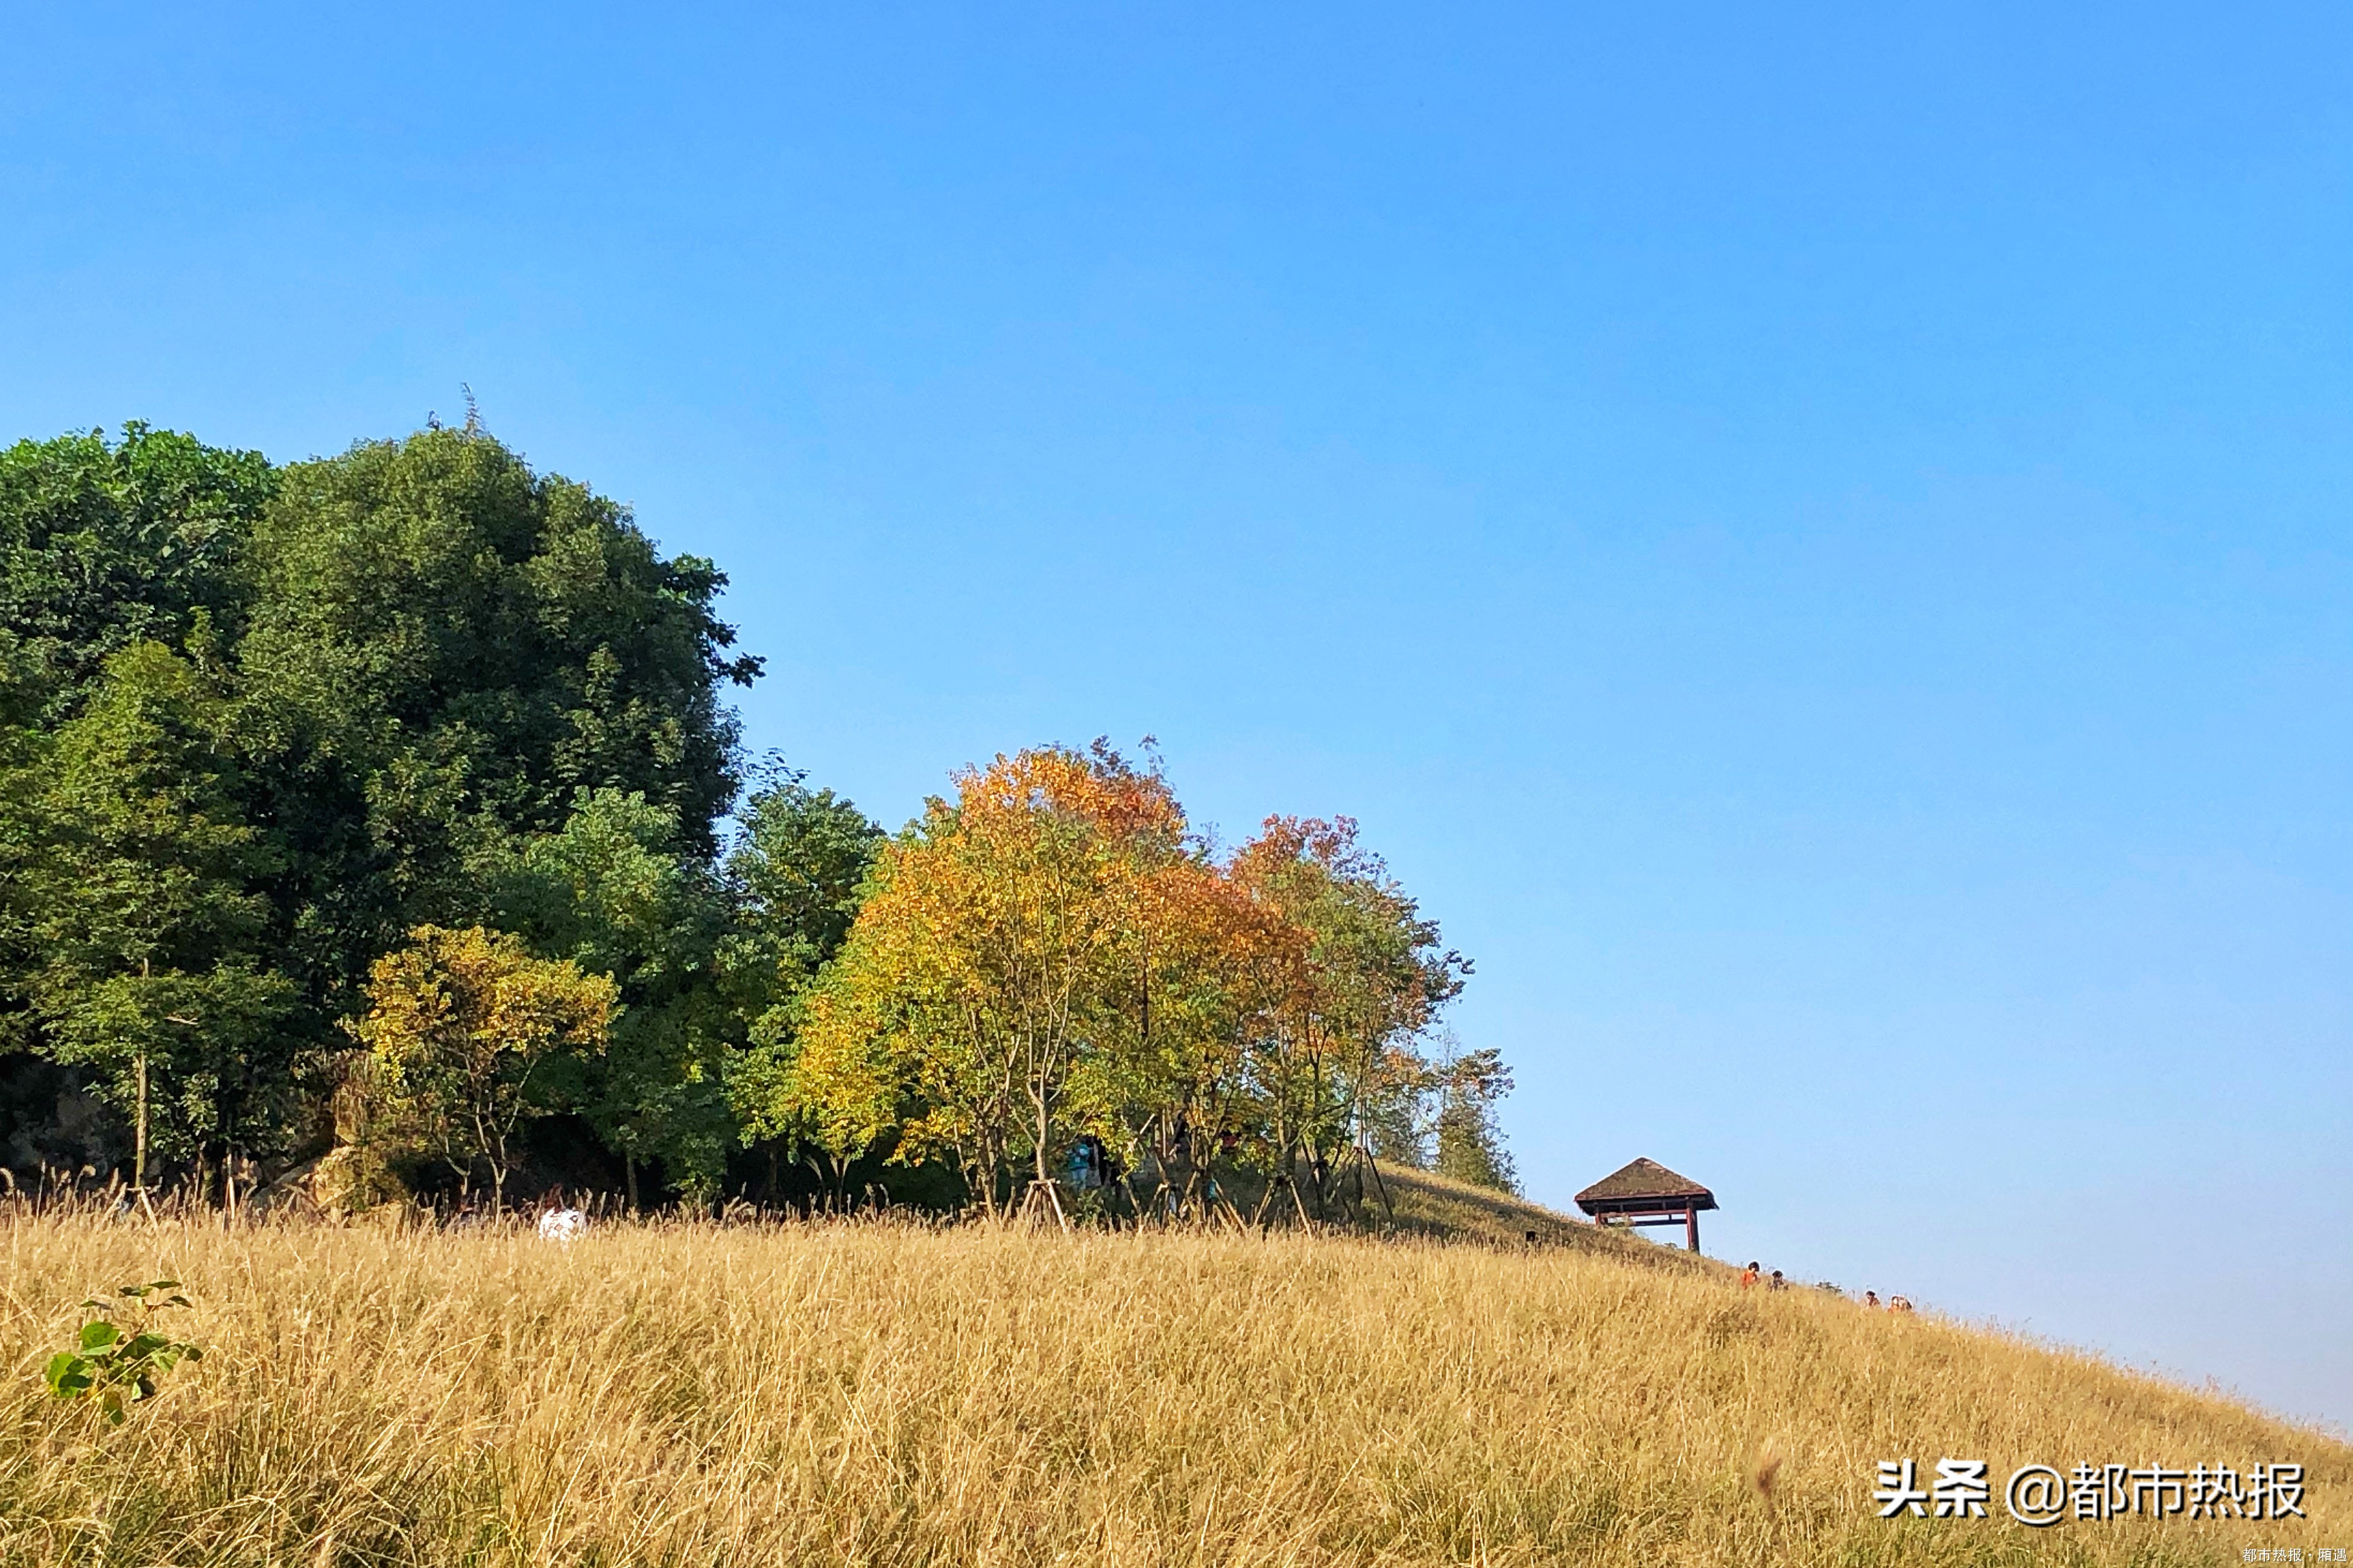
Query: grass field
[[875, 1394]]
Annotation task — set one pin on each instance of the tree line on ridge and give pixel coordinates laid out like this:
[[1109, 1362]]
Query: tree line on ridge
[[382, 819]]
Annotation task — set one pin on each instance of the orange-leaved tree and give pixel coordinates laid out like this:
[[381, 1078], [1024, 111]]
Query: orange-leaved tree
[[1054, 955], [1173, 1082], [1335, 1044]]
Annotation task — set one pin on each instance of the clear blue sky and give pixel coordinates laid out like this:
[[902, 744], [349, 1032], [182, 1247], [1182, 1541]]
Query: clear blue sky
[[1816, 540]]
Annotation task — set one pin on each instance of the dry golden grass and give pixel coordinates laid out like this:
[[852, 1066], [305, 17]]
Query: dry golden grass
[[879, 1394]]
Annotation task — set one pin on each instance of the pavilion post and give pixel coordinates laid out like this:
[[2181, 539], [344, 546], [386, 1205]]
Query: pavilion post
[[1691, 1221]]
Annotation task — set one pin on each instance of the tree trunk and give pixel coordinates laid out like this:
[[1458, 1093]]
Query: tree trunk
[[1038, 1152], [981, 1174], [1380, 1186], [139, 1160]]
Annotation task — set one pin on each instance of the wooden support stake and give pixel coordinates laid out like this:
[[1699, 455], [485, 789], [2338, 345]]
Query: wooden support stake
[[139, 1158]]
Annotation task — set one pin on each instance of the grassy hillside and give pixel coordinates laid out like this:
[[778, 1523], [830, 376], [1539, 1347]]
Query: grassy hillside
[[877, 1395], [1423, 1202]]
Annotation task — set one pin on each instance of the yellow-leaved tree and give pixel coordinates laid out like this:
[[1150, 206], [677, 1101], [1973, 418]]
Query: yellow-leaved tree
[[458, 1024], [991, 966]]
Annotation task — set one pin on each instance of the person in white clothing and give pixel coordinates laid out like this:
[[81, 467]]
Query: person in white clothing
[[559, 1221]]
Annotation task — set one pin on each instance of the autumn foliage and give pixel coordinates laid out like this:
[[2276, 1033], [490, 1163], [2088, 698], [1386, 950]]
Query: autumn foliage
[[1053, 973], [458, 1021], [262, 726]]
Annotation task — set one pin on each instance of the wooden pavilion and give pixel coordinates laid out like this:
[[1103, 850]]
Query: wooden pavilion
[[1647, 1193]]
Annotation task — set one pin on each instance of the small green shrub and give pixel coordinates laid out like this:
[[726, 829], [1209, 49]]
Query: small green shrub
[[113, 1367]]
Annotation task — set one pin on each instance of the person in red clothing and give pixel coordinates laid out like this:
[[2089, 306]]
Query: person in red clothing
[[1748, 1276]]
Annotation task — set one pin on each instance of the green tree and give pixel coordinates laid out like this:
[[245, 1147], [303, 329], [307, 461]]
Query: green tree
[[796, 877], [614, 893], [416, 660], [133, 912], [107, 543], [827, 1075], [458, 1025], [104, 543], [22, 745], [444, 649], [1470, 1141]]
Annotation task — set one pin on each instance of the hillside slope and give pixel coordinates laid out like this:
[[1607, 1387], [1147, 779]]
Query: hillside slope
[[1425, 1203], [885, 1396]]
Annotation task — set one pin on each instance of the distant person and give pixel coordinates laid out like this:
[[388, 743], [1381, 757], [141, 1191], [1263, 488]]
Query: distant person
[[559, 1221], [1748, 1275], [1778, 1283], [1871, 1300], [1899, 1303]]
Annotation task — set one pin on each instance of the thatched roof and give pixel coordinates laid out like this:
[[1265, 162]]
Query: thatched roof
[[1641, 1181]]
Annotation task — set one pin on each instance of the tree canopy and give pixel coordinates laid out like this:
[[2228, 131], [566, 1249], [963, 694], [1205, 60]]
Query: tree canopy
[[1053, 959], [411, 772]]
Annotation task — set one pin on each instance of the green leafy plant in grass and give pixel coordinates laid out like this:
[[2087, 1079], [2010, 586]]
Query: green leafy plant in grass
[[117, 1368]]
